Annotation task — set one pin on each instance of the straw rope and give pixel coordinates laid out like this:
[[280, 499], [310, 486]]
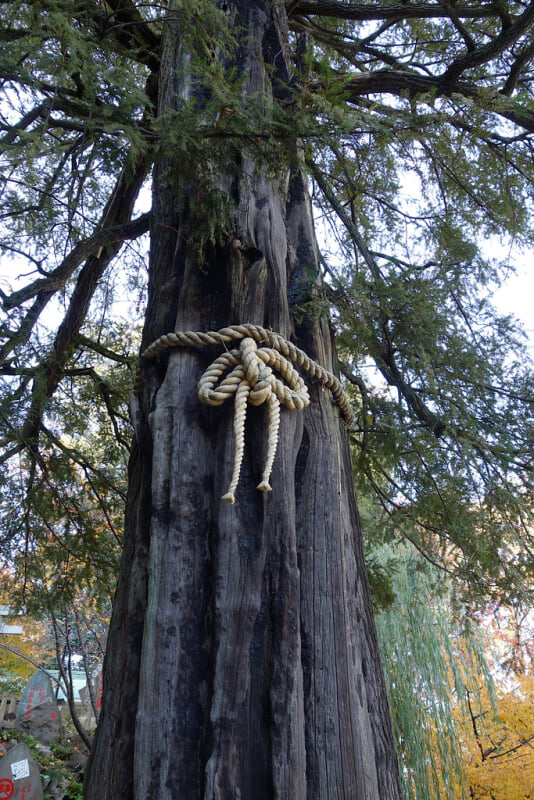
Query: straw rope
[[250, 376]]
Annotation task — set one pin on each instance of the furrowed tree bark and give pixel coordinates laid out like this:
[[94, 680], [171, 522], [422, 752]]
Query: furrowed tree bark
[[242, 659]]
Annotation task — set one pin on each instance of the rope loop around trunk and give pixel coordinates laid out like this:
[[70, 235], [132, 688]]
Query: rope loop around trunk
[[249, 373]]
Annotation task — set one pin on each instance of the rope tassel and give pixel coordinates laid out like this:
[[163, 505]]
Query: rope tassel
[[253, 381], [248, 372], [241, 397]]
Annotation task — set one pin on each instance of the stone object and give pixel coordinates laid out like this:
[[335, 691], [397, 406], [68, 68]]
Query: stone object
[[38, 691], [43, 723], [20, 778], [90, 719], [85, 697], [8, 707]]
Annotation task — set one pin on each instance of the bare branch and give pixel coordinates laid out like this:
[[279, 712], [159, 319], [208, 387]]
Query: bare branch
[[29, 660], [67, 678]]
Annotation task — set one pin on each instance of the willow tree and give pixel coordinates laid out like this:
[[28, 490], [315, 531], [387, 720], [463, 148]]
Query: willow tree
[[242, 657]]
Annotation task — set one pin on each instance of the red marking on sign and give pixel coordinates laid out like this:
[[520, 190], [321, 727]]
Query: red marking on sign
[[6, 788], [30, 698]]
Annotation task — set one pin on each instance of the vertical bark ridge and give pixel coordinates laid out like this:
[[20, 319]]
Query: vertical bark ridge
[[256, 677]]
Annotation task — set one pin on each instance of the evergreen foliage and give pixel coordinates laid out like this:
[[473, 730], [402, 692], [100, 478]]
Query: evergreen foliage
[[415, 122]]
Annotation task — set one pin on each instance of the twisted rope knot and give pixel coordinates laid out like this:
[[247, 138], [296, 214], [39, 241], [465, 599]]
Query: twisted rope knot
[[257, 372], [250, 376], [253, 381]]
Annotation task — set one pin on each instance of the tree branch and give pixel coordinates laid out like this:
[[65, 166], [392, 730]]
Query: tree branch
[[387, 366], [134, 33], [394, 12], [101, 239], [507, 37], [101, 350], [23, 333], [386, 361], [31, 661], [67, 678], [340, 211], [108, 239], [13, 130], [453, 15], [50, 372], [405, 83], [517, 67]]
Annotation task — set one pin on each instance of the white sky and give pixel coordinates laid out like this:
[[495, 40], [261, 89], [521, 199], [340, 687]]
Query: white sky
[[516, 297]]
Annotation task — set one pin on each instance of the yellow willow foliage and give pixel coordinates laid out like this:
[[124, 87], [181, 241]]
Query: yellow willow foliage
[[496, 742], [501, 762]]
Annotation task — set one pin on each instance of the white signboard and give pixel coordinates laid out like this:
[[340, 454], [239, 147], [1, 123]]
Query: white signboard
[[20, 769]]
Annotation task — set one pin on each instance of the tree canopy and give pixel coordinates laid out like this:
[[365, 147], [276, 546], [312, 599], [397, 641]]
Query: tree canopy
[[463, 721], [415, 122]]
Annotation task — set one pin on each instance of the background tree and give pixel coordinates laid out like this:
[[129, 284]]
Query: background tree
[[20, 656], [496, 740], [463, 720], [443, 654], [64, 631], [362, 96]]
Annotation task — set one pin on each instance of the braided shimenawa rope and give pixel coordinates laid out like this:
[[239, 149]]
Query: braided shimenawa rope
[[252, 380]]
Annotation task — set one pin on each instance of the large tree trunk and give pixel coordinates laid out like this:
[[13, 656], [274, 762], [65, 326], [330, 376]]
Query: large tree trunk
[[242, 660]]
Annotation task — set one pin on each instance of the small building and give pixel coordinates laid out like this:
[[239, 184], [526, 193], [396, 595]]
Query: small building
[[79, 680]]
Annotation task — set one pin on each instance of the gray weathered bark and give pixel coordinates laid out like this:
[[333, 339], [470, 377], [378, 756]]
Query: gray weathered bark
[[243, 660]]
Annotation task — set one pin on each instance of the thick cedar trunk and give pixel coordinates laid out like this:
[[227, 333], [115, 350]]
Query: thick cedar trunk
[[243, 660]]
